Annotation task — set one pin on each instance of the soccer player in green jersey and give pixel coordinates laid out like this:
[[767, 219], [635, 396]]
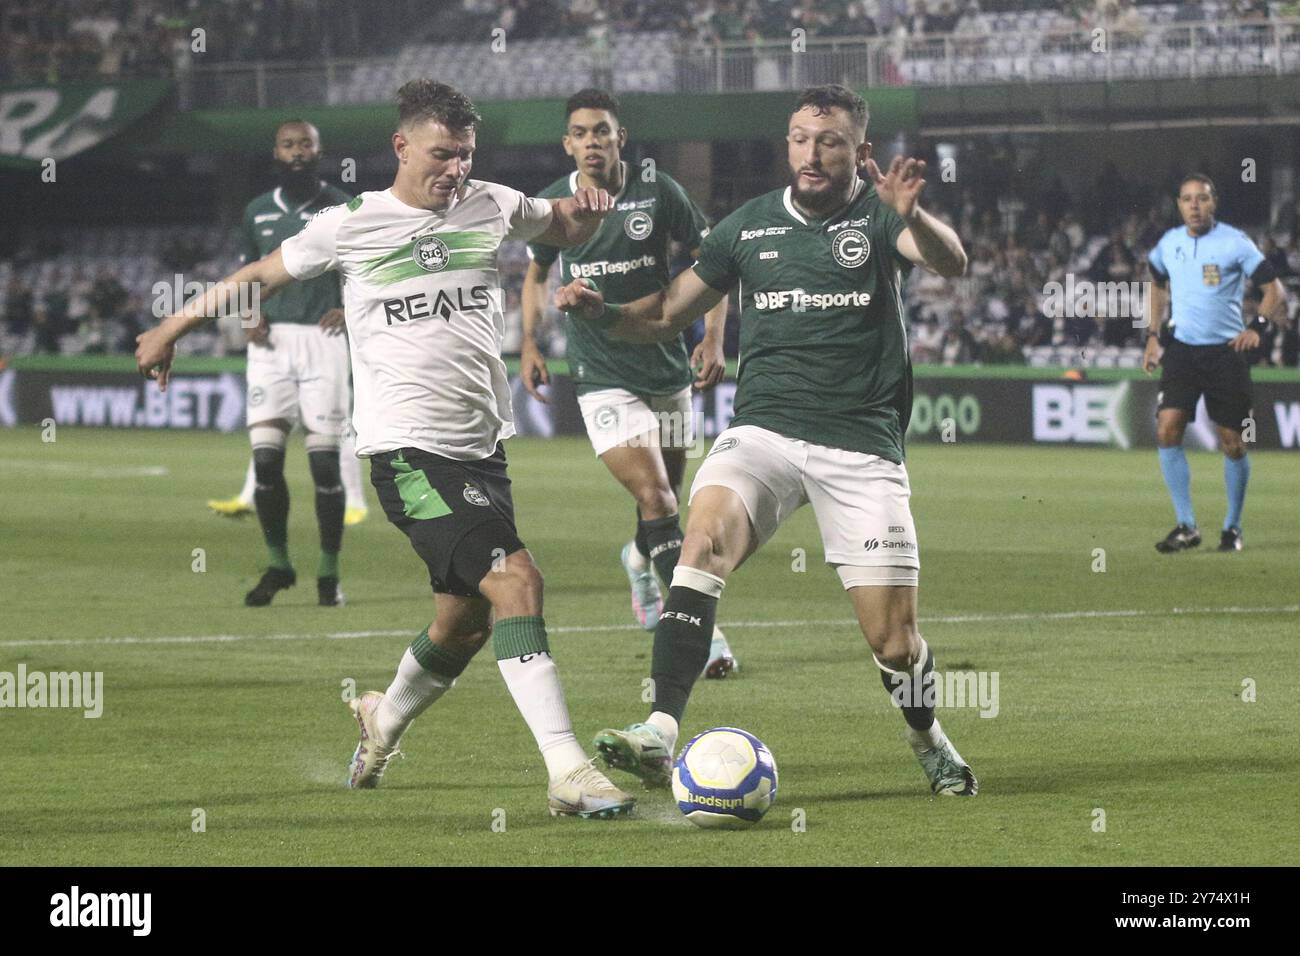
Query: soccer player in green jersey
[[297, 371], [268, 220], [822, 404], [635, 397]]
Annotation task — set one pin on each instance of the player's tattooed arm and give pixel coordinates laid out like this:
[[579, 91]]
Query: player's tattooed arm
[[156, 348], [927, 241], [575, 219], [654, 318]]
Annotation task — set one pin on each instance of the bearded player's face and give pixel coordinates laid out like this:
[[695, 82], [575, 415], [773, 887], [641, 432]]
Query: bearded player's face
[[435, 161], [824, 152], [297, 146]]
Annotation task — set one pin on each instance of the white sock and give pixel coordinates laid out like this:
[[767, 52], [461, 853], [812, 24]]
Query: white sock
[[250, 481], [350, 471], [636, 560], [535, 686], [666, 724], [922, 740], [409, 695]]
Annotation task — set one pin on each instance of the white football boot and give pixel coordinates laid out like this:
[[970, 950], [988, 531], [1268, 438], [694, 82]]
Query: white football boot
[[586, 792], [370, 759]]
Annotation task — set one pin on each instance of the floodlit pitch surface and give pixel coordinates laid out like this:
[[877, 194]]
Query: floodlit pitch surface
[[1146, 713]]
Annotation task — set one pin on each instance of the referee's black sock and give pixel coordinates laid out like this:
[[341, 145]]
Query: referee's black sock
[[271, 496], [682, 638]]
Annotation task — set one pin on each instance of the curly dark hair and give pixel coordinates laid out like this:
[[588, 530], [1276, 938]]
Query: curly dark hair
[[427, 99], [592, 99], [823, 99]]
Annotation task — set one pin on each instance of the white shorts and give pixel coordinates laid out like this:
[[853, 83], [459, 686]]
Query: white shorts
[[861, 501], [614, 416], [301, 376]]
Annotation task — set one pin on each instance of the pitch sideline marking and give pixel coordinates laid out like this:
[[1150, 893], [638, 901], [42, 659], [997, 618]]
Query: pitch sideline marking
[[587, 629]]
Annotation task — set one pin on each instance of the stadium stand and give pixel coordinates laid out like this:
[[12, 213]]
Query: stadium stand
[[555, 43]]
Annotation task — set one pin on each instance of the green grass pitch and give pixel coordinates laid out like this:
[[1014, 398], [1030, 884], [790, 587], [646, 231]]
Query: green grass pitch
[[1119, 691]]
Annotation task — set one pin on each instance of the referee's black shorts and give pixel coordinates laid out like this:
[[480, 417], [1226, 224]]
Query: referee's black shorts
[[1215, 371], [458, 515]]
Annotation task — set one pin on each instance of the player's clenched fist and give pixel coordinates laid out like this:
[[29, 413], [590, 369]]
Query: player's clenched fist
[[580, 299], [591, 203]]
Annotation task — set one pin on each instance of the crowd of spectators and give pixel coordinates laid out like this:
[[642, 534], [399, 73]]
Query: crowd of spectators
[[1018, 246], [48, 41], [95, 310], [1021, 246]]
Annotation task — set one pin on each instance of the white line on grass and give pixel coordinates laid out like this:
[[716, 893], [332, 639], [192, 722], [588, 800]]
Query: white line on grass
[[85, 471], [596, 628]]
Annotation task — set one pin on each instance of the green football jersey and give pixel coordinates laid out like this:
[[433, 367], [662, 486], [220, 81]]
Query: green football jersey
[[823, 340], [627, 259], [268, 221]]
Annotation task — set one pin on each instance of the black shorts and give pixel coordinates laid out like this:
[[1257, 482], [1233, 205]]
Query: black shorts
[[1216, 371], [458, 515]]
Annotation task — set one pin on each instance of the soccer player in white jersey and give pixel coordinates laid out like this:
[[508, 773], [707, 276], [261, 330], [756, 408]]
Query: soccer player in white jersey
[[432, 405]]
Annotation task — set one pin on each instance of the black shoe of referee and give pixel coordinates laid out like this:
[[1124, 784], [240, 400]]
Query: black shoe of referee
[[275, 579], [1180, 539], [1230, 540], [328, 592]]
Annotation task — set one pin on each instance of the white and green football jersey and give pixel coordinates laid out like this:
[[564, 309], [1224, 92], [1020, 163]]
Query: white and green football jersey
[[424, 313]]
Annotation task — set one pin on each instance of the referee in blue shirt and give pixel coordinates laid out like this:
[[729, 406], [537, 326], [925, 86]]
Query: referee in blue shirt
[[1201, 268]]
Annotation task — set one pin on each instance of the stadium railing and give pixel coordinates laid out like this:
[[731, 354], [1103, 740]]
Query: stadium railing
[[1009, 49]]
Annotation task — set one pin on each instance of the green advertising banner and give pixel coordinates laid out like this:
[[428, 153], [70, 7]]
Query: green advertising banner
[[39, 123]]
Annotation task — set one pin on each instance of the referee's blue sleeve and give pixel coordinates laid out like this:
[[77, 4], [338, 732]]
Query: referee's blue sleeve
[[1157, 262], [1251, 257]]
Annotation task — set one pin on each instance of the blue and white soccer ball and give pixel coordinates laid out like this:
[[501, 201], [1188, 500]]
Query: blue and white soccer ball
[[724, 778]]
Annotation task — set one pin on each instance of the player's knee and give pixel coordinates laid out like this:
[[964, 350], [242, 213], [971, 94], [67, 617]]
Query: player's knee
[[704, 547], [514, 586], [897, 644], [1233, 446], [1168, 434]]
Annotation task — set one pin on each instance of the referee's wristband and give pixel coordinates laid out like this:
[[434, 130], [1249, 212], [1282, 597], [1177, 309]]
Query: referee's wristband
[[1261, 324]]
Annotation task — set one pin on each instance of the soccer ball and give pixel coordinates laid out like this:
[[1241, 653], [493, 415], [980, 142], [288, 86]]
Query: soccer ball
[[724, 778]]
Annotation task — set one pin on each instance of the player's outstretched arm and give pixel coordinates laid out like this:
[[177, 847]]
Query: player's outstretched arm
[[575, 219], [156, 348], [927, 241], [654, 318]]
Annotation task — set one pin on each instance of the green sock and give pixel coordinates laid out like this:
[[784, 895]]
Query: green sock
[[328, 566], [437, 659], [518, 637], [279, 556]]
